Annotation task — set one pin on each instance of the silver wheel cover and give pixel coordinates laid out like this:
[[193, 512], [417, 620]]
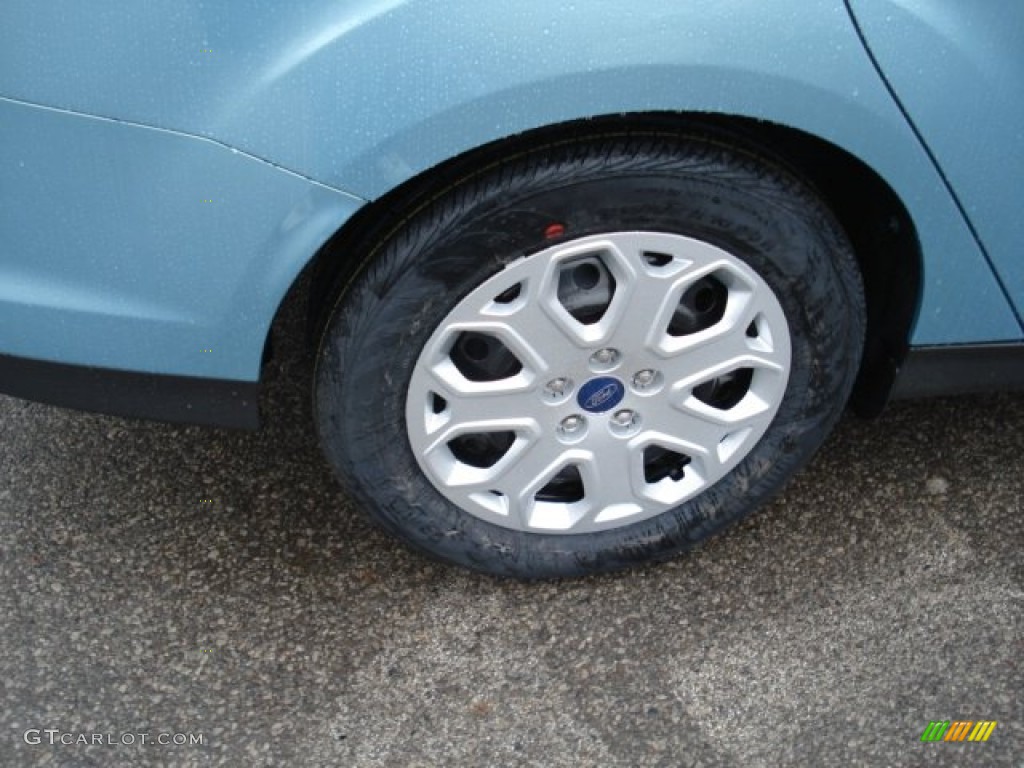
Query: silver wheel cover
[[605, 417]]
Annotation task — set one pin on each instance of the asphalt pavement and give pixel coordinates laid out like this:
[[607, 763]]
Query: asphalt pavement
[[215, 590]]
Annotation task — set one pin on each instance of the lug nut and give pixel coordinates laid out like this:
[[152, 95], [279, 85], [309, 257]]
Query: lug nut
[[624, 418], [643, 379], [570, 425], [606, 356], [557, 387]]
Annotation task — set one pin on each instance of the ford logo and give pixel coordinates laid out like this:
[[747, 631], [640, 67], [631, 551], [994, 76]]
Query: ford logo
[[600, 394]]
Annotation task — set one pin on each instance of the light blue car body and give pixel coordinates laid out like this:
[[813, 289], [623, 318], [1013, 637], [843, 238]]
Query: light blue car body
[[168, 168]]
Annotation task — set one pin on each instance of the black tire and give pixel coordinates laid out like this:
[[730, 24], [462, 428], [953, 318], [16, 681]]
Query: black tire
[[724, 194]]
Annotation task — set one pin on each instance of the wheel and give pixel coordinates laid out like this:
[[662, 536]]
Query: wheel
[[591, 356]]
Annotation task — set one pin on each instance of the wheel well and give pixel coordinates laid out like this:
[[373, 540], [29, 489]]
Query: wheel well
[[877, 223], [884, 240]]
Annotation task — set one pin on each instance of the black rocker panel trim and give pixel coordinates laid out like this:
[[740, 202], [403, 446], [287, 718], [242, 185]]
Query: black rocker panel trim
[[960, 369], [180, 399]]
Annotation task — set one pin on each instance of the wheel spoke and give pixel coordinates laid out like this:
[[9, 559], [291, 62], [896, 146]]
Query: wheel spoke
[[495, 401], [539, 330], [716, 354], [550, 334], [493, 410], [528, 473], [686, 425], [637, 317], [640, 310], [611, 481]]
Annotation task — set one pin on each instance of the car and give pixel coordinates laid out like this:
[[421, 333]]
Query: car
[[588, 281]]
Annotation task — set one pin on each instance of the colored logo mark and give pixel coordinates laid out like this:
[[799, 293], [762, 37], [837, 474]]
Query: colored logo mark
[[958, 730], [601, 394]]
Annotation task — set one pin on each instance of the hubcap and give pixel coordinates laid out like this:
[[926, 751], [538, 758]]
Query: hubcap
[[599, 382]]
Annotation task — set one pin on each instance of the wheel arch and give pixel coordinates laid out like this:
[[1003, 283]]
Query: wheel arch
[[879, 226]]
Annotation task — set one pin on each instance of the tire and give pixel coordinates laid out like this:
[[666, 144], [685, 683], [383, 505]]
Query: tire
[[590, 356]]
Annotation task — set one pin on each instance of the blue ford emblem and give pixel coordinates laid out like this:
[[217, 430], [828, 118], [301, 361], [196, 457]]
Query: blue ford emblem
[[600, 394]]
